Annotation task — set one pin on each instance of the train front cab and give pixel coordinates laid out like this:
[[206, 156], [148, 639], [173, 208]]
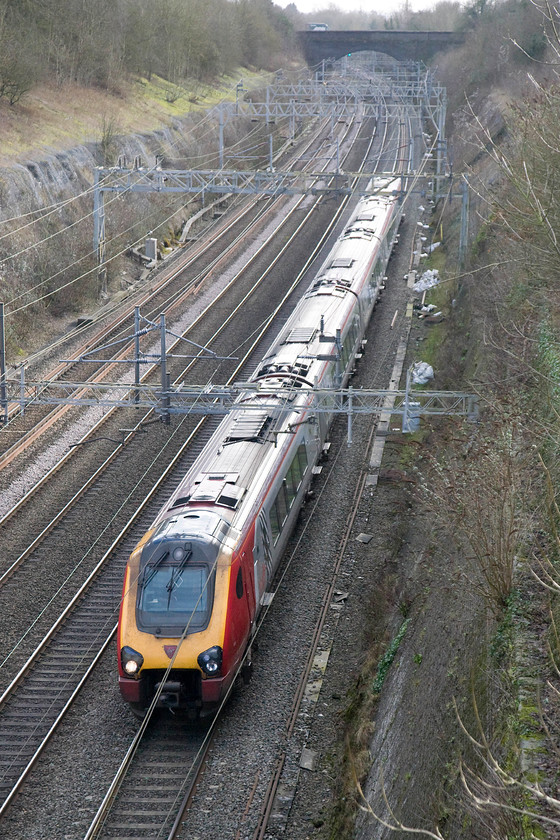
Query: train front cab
[[165, 591]]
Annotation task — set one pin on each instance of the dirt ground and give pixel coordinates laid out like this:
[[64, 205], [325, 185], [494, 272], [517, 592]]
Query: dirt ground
[[409, 579], [51, 118]]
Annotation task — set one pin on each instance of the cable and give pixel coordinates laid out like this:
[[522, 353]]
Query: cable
[[50, 208], [81, 276], [35, 245], [83, 218]]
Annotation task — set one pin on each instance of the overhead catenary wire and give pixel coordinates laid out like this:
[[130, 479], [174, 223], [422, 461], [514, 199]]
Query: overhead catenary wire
[[94, 269], [49, 209], [82, 276], [101, 533], [43, 213], [54, 208], [62, 230], [90, 253], [77, 262]]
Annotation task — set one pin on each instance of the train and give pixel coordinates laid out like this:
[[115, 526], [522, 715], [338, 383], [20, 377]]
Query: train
[[198, 579]]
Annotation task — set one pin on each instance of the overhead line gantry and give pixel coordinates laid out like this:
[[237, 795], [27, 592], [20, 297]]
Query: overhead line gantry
[[337, 100]]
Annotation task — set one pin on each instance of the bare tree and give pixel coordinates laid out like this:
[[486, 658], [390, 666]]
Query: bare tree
[[479, 499]]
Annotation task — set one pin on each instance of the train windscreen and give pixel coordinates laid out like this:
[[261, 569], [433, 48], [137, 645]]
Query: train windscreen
[[171, 598]]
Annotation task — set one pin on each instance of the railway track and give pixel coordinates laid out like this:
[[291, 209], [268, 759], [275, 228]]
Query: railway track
[[166, 752], [116, 819], [108, 473], [46, 685], [181, 767], [175, 285], [190, 328], [230, 310], [32, 744]]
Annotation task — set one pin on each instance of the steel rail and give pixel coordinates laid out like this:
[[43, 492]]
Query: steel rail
[[111, 795], [55, 415], [92, 577]]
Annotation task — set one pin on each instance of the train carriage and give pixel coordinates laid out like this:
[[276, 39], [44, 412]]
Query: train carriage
[[197, 580]]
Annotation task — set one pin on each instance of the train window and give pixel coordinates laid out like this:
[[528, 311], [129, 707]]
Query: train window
[[291, 488], [181, 500], [231, 496], [346, 350], [296, 470], [292, 481], [281, 506], [172, 597], [288, 492], [239, 584], [302, 459], [274, 524], [377, 272], [342, 262]]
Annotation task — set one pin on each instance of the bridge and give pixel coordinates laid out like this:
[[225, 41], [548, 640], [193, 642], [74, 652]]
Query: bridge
[[402, 45]]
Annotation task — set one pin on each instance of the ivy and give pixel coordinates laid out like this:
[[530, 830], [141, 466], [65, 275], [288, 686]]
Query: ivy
[[388, 656], [549, 357]]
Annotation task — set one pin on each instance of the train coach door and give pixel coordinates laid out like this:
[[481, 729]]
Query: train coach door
[[262, 557]]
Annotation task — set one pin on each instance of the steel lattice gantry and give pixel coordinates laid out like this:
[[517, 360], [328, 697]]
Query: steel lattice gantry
[[220, 400], [122, 181], [337, 99]]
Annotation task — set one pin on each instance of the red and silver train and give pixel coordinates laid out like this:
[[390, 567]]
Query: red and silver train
[[196, 581]]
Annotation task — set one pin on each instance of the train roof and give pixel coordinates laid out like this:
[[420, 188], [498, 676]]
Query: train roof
[[253, 438]]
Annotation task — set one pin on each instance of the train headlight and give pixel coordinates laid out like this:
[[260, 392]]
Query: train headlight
[[210, 661], [131, 661]]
